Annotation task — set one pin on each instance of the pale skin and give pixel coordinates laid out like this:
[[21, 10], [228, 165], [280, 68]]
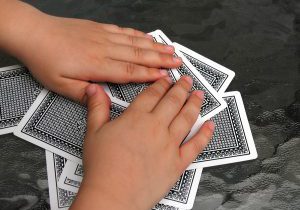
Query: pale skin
[[131, 162]]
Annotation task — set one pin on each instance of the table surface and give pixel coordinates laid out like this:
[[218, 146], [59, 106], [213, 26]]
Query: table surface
[[258, 39]]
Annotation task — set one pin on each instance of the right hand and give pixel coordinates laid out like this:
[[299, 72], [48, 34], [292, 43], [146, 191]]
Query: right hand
[[134, 160]]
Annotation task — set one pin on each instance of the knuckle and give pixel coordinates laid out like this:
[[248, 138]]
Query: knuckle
[[145, 42], [89, 22], [158, 89], [194, 103], [154, 45], [95, 105], [164, 58], [183, 84], [129, 30], [204, 136], [179, 167], [114, 27], [164, 84], [135, 32], [134, 115], [137, 52], [132, 40], [157, 45], [197, 147], [154, 92], [189, 117], [173, 99], [130, 69]]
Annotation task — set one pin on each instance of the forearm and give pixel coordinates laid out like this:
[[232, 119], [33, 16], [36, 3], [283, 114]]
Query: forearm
[[19, 24]]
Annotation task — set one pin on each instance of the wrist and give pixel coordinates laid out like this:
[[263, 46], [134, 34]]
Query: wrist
[[93, 198]]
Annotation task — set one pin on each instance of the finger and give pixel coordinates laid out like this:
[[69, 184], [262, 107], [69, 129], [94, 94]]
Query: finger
[[98, 104], [142, 56], [182, 124], [129, 31], [141, 42], [172, 102], [148, 99], [124, 72], [71, 88], [191, 149]]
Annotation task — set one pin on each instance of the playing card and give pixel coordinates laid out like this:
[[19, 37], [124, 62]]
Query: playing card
[[60, 199], [59, 125], [218, 76], [71, 176], [182, 195], [164, 207], [125, 92], [213, 102], [18, 91], [232, 140]]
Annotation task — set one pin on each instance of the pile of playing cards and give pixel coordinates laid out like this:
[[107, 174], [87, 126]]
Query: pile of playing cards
[[58, 125]]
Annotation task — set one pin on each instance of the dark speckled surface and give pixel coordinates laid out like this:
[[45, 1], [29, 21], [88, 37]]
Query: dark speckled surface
[[258, 39]]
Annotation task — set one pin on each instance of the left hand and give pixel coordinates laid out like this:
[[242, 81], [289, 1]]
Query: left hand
[[66, 54]]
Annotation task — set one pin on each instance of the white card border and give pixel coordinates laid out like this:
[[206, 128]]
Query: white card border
[[52, 184], [230, 73], [70, 167], [18, 130], [107, 90], [215, 94], [192, 195], [68, 172], [7, 68], [248, 134]]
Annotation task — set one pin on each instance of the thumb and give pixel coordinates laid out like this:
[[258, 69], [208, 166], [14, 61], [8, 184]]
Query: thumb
[[98, 104]]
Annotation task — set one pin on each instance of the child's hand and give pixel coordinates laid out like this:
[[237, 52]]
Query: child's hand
[[132, 162], [69, 53], [64, 54]]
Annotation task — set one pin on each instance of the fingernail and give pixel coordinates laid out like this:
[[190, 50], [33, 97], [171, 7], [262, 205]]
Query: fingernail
[[211, 125], [188, 79], [163, 72], [148, 36], [91, 90], [169, 48], [199, 93], [177, 60]]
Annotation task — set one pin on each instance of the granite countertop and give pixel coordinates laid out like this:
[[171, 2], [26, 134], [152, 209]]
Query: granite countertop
[[258, 39]]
